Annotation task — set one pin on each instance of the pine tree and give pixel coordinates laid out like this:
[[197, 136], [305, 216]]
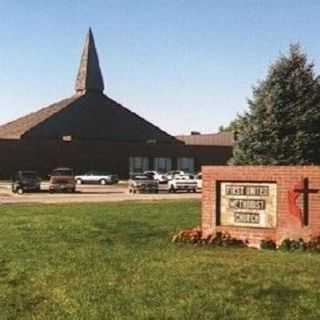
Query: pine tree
[[282, 124]]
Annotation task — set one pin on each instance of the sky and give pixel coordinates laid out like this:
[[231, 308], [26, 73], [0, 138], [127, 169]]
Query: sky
[[181, 64]]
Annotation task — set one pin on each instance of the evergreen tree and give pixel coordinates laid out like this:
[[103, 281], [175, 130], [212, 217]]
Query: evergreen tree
[[231, 127], [282, 124]]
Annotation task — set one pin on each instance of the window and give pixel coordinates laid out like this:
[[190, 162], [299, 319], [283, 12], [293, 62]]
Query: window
[[138, 164], [186, 164], [162, 164]]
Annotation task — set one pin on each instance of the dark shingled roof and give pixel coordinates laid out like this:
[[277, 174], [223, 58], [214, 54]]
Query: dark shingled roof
[[92, 116], [88, 115], [89, 75], [16, 129], [213, 139]]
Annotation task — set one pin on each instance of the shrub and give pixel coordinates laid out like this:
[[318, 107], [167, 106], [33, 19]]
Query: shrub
[[313, 244], [225, 240], [285, 245], [293, 245], [220, 239], [268, 245], [193, 235]]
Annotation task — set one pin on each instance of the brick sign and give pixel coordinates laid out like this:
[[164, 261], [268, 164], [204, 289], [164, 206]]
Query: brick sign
[[248, 204], [255, 203]]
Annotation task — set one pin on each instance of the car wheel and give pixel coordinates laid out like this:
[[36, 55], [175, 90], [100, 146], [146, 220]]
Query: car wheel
[[79, 181], [20, 191], [103, 182]]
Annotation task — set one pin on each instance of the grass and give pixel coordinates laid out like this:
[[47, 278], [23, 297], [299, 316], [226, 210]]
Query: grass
[[115, 261]]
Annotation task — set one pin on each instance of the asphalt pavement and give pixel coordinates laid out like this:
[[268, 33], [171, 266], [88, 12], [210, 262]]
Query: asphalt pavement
[[88, 193]]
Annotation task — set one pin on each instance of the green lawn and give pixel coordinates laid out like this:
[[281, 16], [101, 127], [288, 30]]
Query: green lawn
[[115, 261]]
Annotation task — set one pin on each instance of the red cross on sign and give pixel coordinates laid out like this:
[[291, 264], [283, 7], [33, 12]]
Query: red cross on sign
[[298, 189]]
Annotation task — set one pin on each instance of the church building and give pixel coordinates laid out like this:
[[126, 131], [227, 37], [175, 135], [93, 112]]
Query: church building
[[91, 131]]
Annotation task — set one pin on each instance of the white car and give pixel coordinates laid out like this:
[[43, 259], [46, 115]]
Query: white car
[[161, 178], [171, 174], [95, 177], [199, 180], [182, 182]]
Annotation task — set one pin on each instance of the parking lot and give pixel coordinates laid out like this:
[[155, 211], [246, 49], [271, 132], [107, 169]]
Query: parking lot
[[88, 193]]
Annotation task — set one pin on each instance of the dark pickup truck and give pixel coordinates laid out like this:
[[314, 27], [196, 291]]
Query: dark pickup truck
[[24, 181], [140, 183], [62, 180]]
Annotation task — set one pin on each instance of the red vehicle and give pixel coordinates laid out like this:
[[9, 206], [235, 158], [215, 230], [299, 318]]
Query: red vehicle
[[62, 179]]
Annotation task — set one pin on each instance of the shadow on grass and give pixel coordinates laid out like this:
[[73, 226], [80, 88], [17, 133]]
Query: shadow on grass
[[4, 269], [274, 301], [18, 300]]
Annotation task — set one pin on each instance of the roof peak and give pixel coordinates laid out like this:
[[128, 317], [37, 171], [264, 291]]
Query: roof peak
[[89, 76]]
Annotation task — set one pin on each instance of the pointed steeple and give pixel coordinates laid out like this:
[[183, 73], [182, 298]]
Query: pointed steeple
[[89, 77]]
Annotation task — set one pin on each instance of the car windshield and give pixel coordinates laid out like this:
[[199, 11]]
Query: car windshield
[[97, 173], [175, 172], [64, 172], [29, 175], [141, 178]]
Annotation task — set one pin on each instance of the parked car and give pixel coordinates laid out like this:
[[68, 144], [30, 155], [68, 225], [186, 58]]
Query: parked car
[[25, 181], [62, 179], [142, 183], [171, 174], [96, 177], [161, 178], [199, 180], [182, 182]]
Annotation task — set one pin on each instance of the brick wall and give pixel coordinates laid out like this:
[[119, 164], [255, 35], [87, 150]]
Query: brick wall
[[286, 177], [44, 155]]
